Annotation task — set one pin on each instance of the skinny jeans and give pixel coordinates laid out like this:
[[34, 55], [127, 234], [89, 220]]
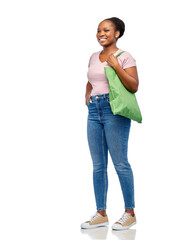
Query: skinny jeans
[[107, 132]]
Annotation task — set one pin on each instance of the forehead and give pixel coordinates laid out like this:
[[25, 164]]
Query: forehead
[[106, 24]]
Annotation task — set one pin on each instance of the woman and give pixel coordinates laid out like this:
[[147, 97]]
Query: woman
[[108, 132]]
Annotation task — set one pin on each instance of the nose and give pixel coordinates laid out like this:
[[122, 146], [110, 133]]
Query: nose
[[101, 34]]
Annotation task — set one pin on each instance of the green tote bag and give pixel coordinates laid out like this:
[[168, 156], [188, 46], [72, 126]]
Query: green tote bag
[[122, 101]]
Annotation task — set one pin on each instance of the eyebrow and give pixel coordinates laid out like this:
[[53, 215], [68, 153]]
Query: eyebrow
[[104, 28]]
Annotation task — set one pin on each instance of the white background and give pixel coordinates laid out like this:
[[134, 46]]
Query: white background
[[46, 186]]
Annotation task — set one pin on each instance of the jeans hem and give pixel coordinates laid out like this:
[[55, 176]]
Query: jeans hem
[[101, 209], [128, 208]]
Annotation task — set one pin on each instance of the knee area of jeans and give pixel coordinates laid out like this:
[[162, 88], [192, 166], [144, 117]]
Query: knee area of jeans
[[99, 168], [123, 168]]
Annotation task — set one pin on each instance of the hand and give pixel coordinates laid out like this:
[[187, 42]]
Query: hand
[[112, 61], [87, 98]]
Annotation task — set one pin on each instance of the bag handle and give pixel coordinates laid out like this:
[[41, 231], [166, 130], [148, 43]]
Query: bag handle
[[119, 53]]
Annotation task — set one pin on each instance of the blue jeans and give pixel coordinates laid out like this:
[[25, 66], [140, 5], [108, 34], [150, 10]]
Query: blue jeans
[[105, 132]]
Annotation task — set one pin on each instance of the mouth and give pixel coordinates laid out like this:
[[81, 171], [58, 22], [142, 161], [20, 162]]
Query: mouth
[[102, 39]]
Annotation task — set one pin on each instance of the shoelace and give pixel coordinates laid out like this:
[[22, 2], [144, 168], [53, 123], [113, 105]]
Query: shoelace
[[95, 216], [124, 218]]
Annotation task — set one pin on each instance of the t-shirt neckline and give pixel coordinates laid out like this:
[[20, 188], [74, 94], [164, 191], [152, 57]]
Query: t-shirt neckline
[[105, 61]]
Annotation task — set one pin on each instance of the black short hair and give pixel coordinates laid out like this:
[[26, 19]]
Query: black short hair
[[119, 25]]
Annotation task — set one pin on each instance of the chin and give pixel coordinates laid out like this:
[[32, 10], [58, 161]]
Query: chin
[[104, 44]]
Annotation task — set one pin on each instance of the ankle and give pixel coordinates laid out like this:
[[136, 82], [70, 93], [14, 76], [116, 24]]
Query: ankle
[[131, 211], [103, 213]]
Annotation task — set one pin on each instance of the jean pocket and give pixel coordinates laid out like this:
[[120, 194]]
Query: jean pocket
[[107, 99], [89, 103]]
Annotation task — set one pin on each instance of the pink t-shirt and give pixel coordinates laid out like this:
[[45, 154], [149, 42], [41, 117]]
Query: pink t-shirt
[[96, 74]]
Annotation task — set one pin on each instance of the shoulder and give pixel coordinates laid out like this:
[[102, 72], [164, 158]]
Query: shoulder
[[95, 54], [126, 55], [127, 60], [94, 58]]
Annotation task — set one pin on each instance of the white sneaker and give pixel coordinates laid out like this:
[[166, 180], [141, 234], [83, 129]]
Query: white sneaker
[[125, 222], [96, 220]]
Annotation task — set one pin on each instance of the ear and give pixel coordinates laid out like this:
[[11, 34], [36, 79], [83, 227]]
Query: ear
[[117, 34]]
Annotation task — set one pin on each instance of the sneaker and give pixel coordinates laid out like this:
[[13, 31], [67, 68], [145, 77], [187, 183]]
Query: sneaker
[[125, 222], [96, 220]]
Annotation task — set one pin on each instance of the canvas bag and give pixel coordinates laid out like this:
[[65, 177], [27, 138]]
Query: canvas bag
[[122, 101]]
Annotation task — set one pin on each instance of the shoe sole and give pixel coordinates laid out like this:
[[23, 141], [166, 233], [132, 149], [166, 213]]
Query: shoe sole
[[95, 226], [124, 228]]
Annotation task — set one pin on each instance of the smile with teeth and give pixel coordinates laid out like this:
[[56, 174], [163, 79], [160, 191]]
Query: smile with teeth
[[102, 39]]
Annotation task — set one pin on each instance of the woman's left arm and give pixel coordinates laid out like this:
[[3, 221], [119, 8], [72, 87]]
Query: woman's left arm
[[128, 76]]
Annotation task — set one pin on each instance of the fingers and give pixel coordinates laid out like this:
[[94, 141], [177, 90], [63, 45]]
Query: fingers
[[88, 99], [112, 60]]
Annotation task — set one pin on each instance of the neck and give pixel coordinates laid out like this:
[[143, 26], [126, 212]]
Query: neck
[[110, 49]]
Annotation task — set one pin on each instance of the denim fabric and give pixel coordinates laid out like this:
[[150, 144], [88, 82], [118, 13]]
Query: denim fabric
[[108, 132]]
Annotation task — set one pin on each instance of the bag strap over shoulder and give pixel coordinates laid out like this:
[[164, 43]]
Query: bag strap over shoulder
[[119, 53]]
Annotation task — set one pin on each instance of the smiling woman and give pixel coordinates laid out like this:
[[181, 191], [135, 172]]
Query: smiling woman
[[107, 29], [106, 131]]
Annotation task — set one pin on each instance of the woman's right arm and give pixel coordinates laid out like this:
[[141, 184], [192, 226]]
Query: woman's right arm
[[88, 92]]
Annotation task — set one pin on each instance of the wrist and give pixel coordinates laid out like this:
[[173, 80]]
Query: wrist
[[87, 95], [116, 67]]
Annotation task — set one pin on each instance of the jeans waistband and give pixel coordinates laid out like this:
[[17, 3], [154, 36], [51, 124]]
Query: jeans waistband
[[103, 96]]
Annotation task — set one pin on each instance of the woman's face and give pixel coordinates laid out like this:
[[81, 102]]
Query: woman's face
[[106, 34]]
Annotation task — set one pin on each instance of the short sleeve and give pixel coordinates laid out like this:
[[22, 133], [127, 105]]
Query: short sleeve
[[127, 60], [89, 63]]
